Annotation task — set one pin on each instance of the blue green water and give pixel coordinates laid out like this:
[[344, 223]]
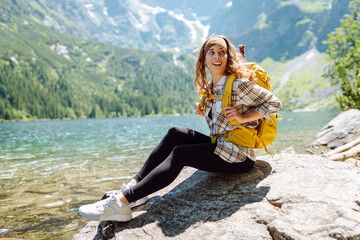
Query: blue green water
[[49, 168]]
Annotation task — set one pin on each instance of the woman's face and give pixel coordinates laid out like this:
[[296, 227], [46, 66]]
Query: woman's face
[[216, 60]]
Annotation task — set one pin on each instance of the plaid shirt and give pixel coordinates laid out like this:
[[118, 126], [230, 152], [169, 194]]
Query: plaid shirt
[[246, 96]]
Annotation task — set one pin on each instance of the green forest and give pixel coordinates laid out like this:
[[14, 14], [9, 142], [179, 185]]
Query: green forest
[[44, 74]]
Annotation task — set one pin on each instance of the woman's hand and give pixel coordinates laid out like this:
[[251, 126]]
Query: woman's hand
[[199, 110], [231, 113]]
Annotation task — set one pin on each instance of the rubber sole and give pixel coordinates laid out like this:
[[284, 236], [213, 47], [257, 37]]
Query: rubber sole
[[117, 217], [139, 202]]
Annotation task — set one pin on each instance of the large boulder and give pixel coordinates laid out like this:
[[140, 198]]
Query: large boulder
[[341, 130], [290, 196]]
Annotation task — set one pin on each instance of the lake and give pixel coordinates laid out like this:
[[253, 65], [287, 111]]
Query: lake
[[50, 168]]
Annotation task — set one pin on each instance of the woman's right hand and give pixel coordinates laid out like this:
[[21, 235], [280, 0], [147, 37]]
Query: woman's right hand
[[199, 110]]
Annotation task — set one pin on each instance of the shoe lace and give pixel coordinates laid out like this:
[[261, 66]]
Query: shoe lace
[[102, 203]]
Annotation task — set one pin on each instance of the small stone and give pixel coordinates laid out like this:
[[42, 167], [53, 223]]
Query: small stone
[[288, 150]]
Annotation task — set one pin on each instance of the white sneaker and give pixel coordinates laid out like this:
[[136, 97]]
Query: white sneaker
[[109, 209], [139, 202]]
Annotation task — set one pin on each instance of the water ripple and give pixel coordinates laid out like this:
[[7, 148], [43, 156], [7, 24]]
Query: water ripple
[[59, 203]]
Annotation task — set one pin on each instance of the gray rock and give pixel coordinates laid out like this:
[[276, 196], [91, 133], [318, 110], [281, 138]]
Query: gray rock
[[341, 130], [290, 196], [289, 150]]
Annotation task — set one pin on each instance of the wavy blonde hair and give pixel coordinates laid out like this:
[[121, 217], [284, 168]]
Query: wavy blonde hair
[[236, 64]]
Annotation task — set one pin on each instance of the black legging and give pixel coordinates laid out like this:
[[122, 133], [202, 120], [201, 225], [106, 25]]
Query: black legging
[[179, 148]]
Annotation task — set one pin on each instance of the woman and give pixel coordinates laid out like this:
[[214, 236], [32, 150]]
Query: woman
[[185, 147]]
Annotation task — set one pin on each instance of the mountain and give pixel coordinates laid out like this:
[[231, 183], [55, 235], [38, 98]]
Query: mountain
[[107, 58], [190, 8], [124, 23], [278, 29], [46, 74]]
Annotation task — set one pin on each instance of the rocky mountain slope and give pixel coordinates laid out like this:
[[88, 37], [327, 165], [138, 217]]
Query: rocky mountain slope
[[281, 29], [274, 28], [128, 23]]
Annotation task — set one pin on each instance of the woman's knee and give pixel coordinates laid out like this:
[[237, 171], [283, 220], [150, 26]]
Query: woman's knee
[[177, 130]]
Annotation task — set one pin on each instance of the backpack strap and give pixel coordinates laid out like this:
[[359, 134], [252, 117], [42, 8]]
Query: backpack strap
[[226, 101], [225, 94], [204, 99]]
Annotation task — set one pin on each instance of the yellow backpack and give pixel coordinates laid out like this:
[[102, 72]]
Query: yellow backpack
[[248, 137]]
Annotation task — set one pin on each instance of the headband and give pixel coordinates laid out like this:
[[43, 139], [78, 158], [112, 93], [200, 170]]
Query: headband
[[214, 41]]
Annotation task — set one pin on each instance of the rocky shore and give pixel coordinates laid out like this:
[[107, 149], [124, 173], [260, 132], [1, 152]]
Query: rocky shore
[[289, 196], [339, 140]]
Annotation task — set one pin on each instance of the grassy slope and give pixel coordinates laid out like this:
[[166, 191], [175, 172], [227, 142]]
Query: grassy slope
[[305, 88]]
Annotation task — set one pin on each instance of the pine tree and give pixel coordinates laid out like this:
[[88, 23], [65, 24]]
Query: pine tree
[[344, 52]]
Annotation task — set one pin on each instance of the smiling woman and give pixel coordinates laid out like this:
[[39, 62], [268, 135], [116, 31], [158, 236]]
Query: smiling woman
[[216, 58], [182, 147]]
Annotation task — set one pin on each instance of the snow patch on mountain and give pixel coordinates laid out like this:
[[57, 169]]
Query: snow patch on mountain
[[330, 4], [304, 59], [95, 19], [14, 60], [61, 50], [198, 31], [50, 22], [144, 8], [142, 16], [105, 12]]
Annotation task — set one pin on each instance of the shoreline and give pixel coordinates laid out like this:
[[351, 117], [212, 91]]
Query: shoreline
[[67, 119], [157, 115]]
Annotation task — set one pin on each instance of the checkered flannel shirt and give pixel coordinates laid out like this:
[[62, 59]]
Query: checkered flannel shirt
[[246, 96]]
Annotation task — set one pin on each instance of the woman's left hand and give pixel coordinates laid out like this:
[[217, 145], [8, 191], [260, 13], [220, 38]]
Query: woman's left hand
[[232, 113], [199, 110]]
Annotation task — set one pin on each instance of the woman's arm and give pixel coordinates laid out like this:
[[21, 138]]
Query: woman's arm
[[232, 113], [263, 103]]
